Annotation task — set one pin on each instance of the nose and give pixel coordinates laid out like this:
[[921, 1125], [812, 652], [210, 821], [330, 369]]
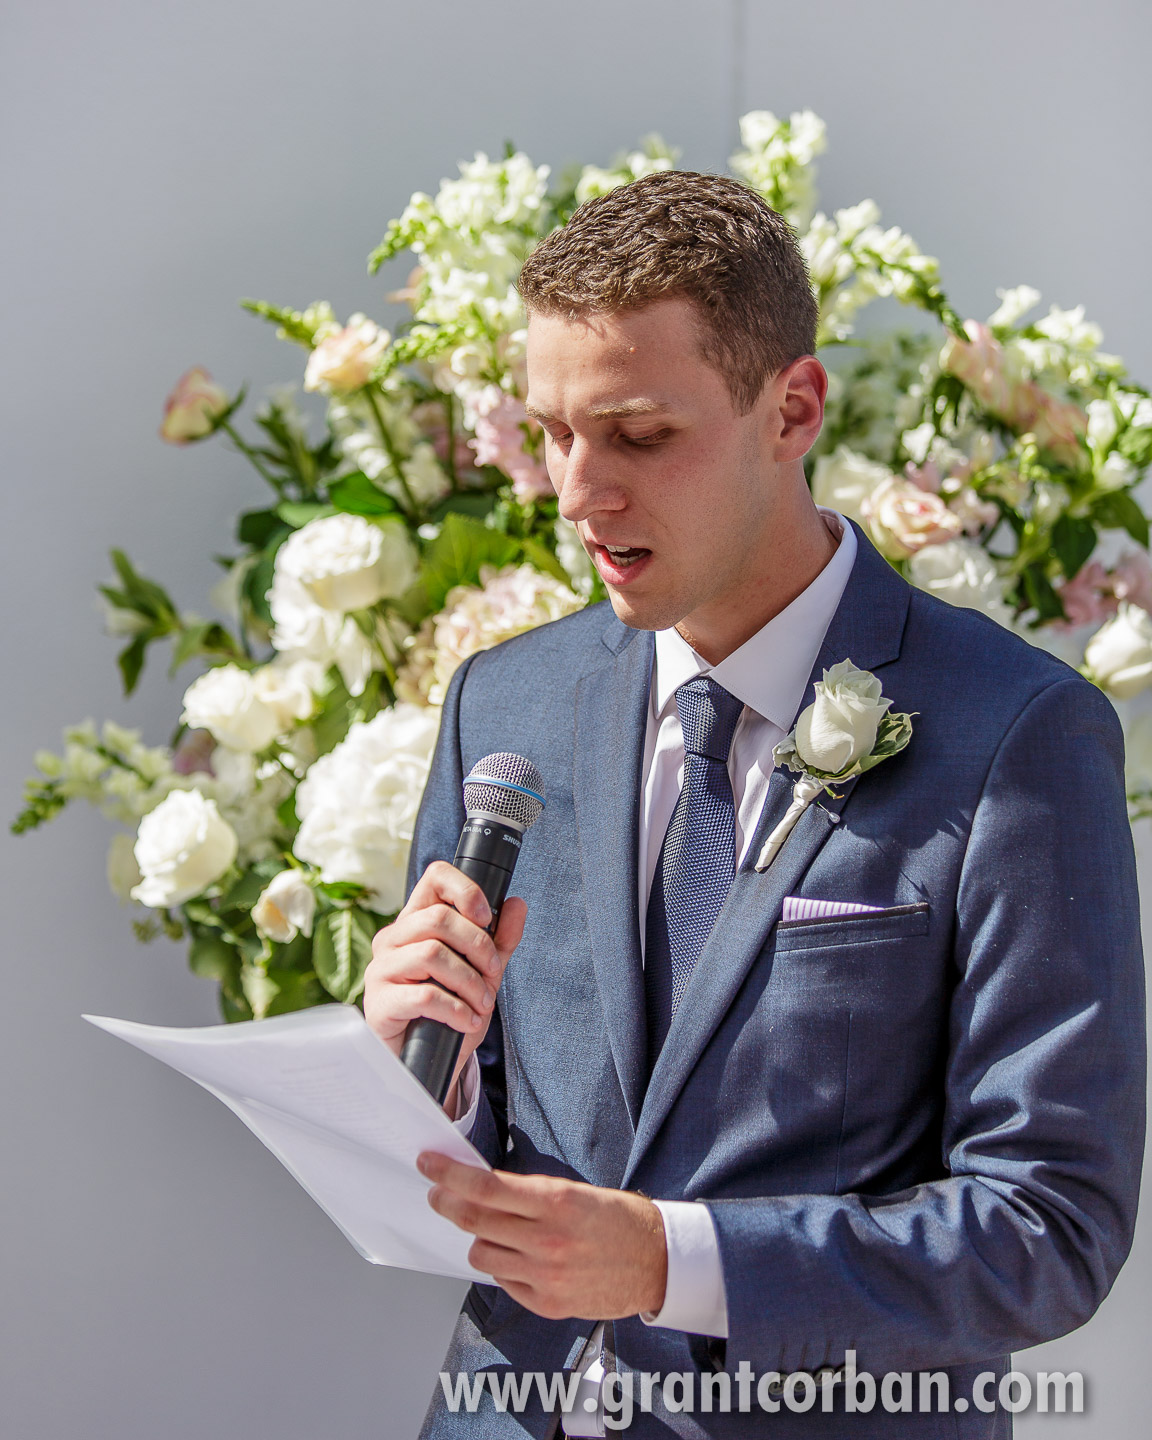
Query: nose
[[585, 485]]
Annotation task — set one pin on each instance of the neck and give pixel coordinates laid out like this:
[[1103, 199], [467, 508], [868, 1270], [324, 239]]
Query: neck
[[786, 566]]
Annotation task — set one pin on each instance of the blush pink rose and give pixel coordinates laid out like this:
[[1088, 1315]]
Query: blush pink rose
[[193, 408], [500, 436], [902, 518], [1132, 579]]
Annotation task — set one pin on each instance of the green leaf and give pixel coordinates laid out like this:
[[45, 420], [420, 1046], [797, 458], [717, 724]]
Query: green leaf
[[355, 494], [1117, 510], [286, 814], [143, 595], [214, 959], [538, 554], [293, 991], [341, 950], [477, 503], [257, 527], [1073, 540], [298, 513], [455, 557], [131, 662], [1040, 594]]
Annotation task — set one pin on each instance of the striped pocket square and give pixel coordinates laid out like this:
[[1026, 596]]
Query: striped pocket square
[[798, 907]]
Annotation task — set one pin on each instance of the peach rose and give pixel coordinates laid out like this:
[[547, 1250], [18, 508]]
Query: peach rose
[[193, 408], [345, 359]]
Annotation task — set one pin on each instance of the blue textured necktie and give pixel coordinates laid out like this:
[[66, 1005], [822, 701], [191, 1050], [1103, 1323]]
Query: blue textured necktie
[[698, 858]]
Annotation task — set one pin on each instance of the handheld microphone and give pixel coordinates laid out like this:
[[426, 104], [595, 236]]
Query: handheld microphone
[[503, 797]]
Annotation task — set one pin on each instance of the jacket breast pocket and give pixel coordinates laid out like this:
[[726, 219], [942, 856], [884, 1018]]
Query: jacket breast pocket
[[823, 932]]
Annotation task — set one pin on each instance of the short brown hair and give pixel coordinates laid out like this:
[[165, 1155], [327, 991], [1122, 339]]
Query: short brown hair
[[706, 237]]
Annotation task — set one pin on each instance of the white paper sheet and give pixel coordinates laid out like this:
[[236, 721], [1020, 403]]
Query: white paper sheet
[[340, 1112]]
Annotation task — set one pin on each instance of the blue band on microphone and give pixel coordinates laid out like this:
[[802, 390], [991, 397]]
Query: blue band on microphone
[[504, 785]]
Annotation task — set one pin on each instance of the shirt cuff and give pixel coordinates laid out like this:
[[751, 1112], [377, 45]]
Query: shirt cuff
[[695, 1299], [468, 1100]]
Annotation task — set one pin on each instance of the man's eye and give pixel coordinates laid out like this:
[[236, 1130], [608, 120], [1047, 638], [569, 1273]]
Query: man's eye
[[654, 439]]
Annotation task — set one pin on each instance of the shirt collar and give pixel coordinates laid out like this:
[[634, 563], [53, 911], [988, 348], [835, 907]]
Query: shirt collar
[[770, 671]]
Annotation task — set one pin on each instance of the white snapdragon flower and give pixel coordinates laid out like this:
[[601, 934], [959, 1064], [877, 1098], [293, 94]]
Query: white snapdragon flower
[[1014, 305], [964, 574], [182, 847], [346, 562], [357, 805]]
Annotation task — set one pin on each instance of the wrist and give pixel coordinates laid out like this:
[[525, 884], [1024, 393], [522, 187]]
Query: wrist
[[653, 1282]]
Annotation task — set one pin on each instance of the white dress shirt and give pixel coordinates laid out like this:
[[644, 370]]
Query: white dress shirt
[[768, 673]]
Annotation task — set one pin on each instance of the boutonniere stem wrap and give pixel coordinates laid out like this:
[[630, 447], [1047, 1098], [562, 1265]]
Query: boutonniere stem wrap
[[848, 728]]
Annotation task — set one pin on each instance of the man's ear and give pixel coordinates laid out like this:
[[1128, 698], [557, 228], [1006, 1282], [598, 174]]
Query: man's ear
[[799, 391]]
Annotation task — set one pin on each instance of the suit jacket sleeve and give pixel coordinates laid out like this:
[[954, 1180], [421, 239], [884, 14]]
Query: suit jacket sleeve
[[1044, 1085], [437, 831]]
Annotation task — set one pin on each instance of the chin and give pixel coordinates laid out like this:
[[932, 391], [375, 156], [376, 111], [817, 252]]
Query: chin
[[649, 614]]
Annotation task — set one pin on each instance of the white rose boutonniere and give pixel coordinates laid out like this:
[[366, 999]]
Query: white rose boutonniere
[[846, 730]]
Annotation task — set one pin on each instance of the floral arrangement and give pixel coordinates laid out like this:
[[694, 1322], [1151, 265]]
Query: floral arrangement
[[993, 462]]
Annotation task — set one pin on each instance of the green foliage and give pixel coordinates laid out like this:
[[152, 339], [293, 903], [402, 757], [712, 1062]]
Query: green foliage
[[341, 951], [299, 326], [43, 801], [454, 558]]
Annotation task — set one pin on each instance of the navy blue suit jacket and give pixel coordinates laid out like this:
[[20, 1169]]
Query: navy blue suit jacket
[[918, 1132]]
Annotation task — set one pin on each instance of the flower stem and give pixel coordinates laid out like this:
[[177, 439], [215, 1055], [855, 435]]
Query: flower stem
[[392, 453], [247, 451]]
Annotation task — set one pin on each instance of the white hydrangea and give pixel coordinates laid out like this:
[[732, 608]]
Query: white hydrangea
[[508, 602], [964, 574], [357, 805]]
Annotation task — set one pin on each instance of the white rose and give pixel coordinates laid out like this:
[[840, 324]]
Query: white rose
[[347, 563], [843, 481], [1119, 656], [345, 360], [122, 869], [246, 710], [840, 725], [964, 574], [181, 848], [357, 805], [286, 907], [306, 631]]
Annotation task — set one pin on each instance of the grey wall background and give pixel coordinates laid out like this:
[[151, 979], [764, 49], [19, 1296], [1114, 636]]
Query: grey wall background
[[161, 1274]]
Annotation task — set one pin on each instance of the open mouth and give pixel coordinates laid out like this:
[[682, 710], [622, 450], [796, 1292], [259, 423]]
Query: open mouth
[[619, 563]]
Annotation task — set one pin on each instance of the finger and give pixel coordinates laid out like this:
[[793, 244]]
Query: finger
[[499, 1227], [493, 1189], [442, 881], [510, 930], [499, 1261], [430, 1001], [431, 960], [445, 923]]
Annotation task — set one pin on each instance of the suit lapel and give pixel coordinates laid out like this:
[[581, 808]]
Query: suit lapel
[[867, 629], [611, 719]]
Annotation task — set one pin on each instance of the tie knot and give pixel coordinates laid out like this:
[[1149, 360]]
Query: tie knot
[[708, 718]]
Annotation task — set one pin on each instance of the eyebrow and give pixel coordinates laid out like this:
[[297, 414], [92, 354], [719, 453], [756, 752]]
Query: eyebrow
[[608, 412]]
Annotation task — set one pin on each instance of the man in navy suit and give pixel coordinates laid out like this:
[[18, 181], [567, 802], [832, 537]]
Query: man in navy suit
[[888, 1103]]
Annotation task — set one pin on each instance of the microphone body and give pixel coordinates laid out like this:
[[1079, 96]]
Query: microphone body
[[503, 796]]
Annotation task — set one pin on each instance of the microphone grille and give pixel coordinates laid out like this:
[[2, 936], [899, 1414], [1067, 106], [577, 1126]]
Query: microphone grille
[[507, 786]]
